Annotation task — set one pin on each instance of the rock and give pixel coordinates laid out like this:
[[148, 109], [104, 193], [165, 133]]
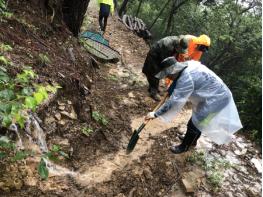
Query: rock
[[2, 184], [30, 181], [62, 107], [18, 183], [62, 122], [131, 95], [64, 143], [257, 163], [71, 115], [229, 194], [120, 195], [252, 191], [131, 193], [61, 104], [89, 79], [69, 102], [58, 116], [49, 120], [188, 186], [147, 173], [238, 152], [240, 145], [191, 180]]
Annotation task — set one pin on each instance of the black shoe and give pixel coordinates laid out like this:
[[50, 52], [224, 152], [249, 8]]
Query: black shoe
[[154, 94], [155, 97], [178, 149], [189, 140], [181, 137]]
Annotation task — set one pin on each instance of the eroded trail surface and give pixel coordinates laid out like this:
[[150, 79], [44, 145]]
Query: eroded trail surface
[[98, 165]]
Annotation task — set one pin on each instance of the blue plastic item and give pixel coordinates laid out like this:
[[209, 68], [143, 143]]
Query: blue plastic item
[[95, 36]]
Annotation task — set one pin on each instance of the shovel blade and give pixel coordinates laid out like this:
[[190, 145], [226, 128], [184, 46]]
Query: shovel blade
[[133, 141]]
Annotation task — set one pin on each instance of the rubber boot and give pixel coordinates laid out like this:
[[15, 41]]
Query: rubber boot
[[181, 137], [191, 137], [154, 94]]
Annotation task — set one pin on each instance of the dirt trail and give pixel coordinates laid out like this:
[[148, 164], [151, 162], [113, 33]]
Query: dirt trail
[[133, 55], [102, 171], [98, 164]]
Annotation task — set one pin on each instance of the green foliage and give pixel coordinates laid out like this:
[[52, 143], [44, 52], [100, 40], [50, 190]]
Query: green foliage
[[19, 95], [236, 46], [9, 152], [20, 155], [215, 179], [113, 77], [43, 59], [197, 158], [52, 155], [214, 167], [42, 169], [87, 131], [100, 118], [6, 144], [4, 60], [3, 10], [5, 48]]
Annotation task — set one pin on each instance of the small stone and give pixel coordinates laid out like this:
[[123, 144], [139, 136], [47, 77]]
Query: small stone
[[49, 120], [257, 163], [30, 181], [61, 104], [131, 95], [18, 184], [62, 122], [147, 173], [228, 194], [62, 107], [58, 116], [239, 153], [69, 102], [188, 186], [71, 115]]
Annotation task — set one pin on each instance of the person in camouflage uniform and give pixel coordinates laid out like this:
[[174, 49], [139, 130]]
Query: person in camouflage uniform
[[166, 47]]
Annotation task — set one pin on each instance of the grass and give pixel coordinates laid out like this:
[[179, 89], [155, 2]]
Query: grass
[[214, 167], [87, 131]]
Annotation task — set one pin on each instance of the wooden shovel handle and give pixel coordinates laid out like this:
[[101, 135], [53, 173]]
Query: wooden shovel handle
[[158, 106]]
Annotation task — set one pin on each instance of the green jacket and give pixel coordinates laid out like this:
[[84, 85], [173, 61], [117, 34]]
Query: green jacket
[[108, 2], [162, 49]]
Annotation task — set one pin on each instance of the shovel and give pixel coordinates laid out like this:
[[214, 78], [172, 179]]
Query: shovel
[[135, 135]]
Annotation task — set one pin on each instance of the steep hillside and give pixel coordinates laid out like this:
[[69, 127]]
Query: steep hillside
[[93, 114]]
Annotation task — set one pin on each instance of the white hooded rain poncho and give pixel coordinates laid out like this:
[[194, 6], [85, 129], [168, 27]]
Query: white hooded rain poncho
[[214, 112]]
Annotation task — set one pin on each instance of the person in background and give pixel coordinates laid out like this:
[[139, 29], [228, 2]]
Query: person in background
[[214, 112], [106, 7], [196, 47], [160, 50]]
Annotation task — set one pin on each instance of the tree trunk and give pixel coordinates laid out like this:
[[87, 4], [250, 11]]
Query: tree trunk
[[160, 13], [170, 18], [116, 6], [176, 5], [73, 14], [138, 9], [123, 7]]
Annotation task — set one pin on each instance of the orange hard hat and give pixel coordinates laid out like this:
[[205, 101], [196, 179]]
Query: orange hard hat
[[202, 40]]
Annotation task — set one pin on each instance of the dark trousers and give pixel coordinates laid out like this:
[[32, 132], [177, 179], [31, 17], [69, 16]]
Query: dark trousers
[[103, 15], [153, 84]]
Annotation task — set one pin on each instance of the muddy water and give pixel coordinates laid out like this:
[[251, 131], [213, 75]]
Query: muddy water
[[88, 176]]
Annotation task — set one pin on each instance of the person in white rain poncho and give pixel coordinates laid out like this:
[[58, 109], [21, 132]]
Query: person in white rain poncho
[[214, 112]]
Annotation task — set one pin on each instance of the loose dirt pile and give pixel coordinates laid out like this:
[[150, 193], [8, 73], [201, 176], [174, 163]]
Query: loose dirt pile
[[92, 118]]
